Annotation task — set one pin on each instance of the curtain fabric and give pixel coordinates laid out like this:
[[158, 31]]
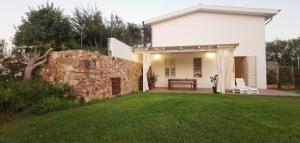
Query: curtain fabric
[[224, 61], [229, 70], [147, 59], [218, 63]]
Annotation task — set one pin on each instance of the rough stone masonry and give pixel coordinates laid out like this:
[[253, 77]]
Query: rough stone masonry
[[90, 73]]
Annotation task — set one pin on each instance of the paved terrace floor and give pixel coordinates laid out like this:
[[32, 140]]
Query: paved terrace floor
[[268, 92]]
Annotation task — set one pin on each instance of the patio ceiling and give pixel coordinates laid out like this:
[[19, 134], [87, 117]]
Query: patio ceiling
[[191, 48]]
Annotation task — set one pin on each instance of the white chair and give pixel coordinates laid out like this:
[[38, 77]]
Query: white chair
[[243, 89]]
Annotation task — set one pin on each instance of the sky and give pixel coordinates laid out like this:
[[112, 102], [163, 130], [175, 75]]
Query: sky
[[285, 25]]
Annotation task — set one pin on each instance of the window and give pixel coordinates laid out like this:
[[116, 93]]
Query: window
[[197, 67], [170, 67]]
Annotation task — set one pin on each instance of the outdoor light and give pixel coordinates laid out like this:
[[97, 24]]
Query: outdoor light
[[210, 55], [156, 56]]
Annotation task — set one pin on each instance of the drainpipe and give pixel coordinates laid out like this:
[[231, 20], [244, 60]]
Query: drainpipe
[[271, 18]]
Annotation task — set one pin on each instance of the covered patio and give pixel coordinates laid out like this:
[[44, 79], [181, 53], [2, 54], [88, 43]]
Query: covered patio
[[219, 60]]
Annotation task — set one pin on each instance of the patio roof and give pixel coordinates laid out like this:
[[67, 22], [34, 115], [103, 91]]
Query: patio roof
[[189, 48]]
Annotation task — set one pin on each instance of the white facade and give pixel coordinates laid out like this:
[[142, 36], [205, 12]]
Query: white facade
[[206, 28]]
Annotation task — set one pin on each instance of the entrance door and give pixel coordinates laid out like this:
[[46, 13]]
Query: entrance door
[[115, 86], [239, 66]]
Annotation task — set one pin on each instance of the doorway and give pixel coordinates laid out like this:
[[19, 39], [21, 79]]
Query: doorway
[[115, 86], [239, 64]]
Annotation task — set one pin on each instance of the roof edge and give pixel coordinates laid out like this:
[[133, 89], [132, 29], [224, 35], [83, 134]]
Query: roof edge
[[267, 13]]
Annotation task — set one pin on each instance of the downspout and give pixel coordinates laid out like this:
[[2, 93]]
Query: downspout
[[271, 18], [269, 21]]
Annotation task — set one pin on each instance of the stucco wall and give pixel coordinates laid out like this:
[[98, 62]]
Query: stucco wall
[[89, 73], [121, 50], [215, 28]]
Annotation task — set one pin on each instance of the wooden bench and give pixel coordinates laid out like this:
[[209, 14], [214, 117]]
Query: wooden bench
[[191, 82]]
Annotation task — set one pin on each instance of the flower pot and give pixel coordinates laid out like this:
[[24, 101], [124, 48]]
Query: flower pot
[[287, 86], [151, 84], [272, 86], [214, 89]]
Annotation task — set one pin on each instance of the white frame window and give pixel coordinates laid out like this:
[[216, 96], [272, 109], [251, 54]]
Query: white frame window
[[170, 66], [197, 67]]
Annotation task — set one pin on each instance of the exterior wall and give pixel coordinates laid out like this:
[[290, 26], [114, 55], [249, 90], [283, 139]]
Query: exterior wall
[[121, 50], [89, 73], [216, 28], [184, 68]]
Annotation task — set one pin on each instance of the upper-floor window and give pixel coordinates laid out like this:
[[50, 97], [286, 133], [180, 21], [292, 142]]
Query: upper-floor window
[[170, 67], [197, 62]]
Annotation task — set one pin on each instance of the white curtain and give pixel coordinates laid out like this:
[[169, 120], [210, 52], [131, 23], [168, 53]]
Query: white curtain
[[229, 81], [147, 59], [218, 63], [225, 61]]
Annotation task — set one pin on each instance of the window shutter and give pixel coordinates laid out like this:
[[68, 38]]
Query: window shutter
[[251, 71]]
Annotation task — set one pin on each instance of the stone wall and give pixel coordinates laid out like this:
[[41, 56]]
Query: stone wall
[[89, 73]]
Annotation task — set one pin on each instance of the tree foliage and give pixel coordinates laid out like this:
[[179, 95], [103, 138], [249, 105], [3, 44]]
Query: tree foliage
[[129, 33], [2, 48], [88, 23], [284, 52], [46, 25]]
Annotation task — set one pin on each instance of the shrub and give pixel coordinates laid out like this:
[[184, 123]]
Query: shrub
[[19, 95], [286, 75], [52, 104], [62, 91], [272, 78]]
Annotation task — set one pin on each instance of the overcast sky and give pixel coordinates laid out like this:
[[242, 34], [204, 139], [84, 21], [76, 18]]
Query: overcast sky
[[284, 26]]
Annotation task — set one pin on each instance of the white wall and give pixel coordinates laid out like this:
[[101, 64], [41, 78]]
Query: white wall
[[184, 68], [215, 28], [121, 50]]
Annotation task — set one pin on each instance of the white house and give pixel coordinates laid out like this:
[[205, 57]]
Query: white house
[[206, 40]]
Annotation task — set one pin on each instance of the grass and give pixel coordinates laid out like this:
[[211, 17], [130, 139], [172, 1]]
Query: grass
[[158, 117]]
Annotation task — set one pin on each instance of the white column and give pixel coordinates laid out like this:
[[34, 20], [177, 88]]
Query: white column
[[223, 71]]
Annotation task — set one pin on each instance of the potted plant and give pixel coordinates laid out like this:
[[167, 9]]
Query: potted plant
[[214, 81], [151, 80]]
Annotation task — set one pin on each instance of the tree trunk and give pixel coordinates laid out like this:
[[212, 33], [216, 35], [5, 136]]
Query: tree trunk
[[28, 73], [34, 61], [95, 42]]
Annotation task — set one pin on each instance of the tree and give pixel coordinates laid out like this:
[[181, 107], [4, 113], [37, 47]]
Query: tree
[[11, 65], [89, 26], [284, 52], [2, 48], [117, 28], [275, 50], [133, 34], [34, 59], [128, 33], [41, 29], [46, 25]]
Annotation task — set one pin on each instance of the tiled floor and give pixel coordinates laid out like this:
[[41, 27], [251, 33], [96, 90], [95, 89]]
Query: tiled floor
[[269, 92]]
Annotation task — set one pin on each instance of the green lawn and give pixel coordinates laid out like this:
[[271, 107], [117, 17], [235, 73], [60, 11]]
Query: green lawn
[[157, 117]]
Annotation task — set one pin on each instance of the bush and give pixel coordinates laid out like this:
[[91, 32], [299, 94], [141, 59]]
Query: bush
[[286, 75], [62, 91], [52, 104], [271, 78], [19, 95]]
